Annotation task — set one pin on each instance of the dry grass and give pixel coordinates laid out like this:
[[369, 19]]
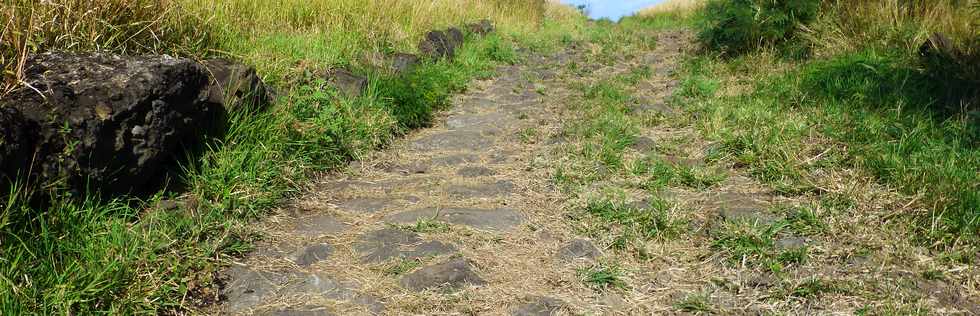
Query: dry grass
[[685, 7], [894, 24], [231, 27]]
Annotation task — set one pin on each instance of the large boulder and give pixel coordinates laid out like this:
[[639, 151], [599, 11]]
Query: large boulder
[[110, 123]]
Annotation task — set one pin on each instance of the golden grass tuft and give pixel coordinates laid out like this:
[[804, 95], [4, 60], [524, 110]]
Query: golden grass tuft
[[683, 7]]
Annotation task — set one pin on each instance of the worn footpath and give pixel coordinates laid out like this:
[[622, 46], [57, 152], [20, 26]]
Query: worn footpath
[[458, 218]]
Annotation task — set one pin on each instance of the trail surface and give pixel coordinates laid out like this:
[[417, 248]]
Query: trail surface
[[471, 217], [458, 218]]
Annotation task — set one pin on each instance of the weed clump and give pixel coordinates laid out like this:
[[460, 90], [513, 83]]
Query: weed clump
[[740, 26]]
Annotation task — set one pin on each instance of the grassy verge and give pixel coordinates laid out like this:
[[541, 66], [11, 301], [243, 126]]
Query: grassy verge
[[83, 254], [854, 105]]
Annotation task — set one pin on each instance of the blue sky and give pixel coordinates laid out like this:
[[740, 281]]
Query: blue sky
[[612, 9]]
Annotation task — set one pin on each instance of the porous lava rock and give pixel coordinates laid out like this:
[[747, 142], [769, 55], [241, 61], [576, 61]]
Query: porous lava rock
[[105, 122]]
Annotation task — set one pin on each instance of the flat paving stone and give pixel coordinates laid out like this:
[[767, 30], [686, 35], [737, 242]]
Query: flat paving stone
[[479, 102], [313, 254], [521, 98], [750, 215], [454, 140], [741, 207], [539, 306], [502, 156], [451, 275], [681, 161], [482, 190], [319, 225], [248, 288], [344, 185], [300, 311], [643, 144], [475, 171], [314, 284], [578, 249], [454, 160], [366, 205], [500, 219], [656, 107], [790, 243], [389, 243], [492, 121]]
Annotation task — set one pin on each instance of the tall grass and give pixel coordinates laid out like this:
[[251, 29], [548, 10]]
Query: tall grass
[[685, 8], [850, 25], [326, 31], [907, 120], [84, 254]]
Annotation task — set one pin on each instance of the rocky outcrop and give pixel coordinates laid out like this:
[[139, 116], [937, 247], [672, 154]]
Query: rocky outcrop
[[109, 123]]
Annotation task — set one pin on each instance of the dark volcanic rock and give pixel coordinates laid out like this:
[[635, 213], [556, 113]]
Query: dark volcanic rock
[[110, 122], [456, 36], [539, 306], [483, 27], [391, 243], [313, 254], [452, 275], [437, 45], [402, 62], [348, 83], [578, 249], [234, 85], [17, 139], [500, 219]]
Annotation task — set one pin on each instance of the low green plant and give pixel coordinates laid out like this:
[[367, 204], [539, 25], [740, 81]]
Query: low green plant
[[651, 222], [603, 276], [735, 27], [755, 244], [695, 303]]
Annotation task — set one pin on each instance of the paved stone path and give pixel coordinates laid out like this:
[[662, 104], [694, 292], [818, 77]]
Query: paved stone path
[[460, 218]]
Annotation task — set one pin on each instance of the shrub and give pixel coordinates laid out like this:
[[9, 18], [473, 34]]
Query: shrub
[[734, 27], [956, 70]]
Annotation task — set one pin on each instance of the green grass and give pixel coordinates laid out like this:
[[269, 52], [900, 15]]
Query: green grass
[[871, 105], [402, 266], [813, 288], [651, 222], [603, 276], [754, 244], [695, 304], [82, 255], [865, 101], [661, 173], [425, 225]]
